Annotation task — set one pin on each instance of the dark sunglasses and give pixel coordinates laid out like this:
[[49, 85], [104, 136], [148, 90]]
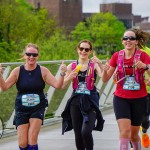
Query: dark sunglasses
[[33, 54], [86, 49], [131, 38]]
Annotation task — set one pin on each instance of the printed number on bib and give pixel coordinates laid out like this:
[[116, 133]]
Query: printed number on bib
[[82, 89], [30, 100], [131, 84]]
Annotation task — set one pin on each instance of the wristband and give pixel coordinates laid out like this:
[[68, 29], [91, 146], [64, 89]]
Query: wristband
[[146, 68], [62, 74]]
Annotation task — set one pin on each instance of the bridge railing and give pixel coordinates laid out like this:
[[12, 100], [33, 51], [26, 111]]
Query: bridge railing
[[105, 89]]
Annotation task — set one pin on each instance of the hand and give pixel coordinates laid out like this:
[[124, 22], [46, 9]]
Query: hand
[[106, 66], [139, 64], [96, 60], [147, 82], [63, 67]]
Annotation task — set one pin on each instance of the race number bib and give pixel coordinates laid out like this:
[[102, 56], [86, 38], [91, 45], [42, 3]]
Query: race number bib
[[82, 89], [30, 100], [131, 84]]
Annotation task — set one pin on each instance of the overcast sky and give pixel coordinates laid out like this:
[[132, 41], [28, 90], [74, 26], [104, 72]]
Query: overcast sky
[[139, 7]]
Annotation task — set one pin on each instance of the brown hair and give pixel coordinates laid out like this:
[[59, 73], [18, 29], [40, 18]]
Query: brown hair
[[85, 41], [141, 36]]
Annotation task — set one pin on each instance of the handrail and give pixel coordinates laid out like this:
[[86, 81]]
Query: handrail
[[105, 99]]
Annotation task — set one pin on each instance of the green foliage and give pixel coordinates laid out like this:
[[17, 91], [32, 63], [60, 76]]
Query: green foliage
[[20, 24], [58, 47], [103, 29]]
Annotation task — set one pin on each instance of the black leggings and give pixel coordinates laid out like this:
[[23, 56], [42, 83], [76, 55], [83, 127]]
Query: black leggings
[[83, 131]]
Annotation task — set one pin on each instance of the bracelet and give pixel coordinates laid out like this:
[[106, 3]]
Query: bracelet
[[62, 74], [146, 68]]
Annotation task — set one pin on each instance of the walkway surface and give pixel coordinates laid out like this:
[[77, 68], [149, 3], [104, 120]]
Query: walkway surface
[[50, 137]]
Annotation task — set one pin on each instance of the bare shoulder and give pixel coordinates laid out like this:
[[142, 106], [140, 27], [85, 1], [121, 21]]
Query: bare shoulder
[[15, 73], [44, 70], [16, 70]]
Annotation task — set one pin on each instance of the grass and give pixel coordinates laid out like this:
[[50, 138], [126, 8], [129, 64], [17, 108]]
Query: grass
[[7, 98]]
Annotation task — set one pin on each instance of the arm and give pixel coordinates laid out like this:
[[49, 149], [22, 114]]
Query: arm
[[70, 74], [107, 72], [51, 80], [10, 81], [97, 65]]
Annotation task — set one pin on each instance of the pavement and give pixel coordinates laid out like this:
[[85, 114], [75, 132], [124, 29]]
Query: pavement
[[50, 137]]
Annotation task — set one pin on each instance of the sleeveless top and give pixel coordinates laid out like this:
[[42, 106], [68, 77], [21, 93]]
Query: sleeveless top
[[82, 75], [30, 82], [81, 78]]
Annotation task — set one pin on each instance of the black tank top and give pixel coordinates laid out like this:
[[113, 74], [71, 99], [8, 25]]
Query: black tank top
[[30, 82]]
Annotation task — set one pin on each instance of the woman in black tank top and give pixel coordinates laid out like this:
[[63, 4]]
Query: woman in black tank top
[[30, 104]]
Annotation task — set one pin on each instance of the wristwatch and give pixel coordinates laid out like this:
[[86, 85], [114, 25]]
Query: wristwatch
[[146, 68]]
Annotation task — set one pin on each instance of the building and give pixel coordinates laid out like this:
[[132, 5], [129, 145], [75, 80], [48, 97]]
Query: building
[[123, 11], [67, 13]]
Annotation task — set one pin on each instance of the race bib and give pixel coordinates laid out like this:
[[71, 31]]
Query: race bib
[[82, 89], [30, 100], [131, 84]]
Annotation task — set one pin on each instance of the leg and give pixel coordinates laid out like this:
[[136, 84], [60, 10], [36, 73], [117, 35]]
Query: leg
[[123, 117], [77, 120], [35, 121], [145, 125], [125, 132], [87, 130], [35, 125], [137, 114], [22, 131], [136, 142]]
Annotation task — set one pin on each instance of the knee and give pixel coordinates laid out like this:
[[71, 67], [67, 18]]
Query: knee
[[22, 141], [125, 133], [86, 133], [23, 144], [135, 137], [33, 137]]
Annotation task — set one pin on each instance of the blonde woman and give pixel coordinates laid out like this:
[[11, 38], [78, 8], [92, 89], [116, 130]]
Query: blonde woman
[[30, 103]]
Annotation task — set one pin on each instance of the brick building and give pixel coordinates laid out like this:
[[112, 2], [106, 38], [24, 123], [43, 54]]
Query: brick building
[[67, 13], [123, 11]]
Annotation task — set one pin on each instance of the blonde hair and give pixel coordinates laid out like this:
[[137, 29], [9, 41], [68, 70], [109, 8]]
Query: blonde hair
[[27, 46]]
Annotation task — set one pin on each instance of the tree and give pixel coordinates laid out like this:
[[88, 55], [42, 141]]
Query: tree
[[20, 24], [103, 29]]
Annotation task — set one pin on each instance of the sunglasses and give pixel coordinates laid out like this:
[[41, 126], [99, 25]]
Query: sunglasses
[[32, 54], [131, 38], [86, 49]]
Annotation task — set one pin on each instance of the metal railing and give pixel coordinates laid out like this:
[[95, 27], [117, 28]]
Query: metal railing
[[106, 93]]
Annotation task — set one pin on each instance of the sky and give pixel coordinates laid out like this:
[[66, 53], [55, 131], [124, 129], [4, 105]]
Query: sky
[[139, 7]]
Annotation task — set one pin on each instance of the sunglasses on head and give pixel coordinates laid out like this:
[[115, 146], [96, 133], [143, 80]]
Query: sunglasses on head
[[131, 38], [86, 49], [32, 54]]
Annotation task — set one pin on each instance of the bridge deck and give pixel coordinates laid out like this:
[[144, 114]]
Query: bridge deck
[[50, 137]]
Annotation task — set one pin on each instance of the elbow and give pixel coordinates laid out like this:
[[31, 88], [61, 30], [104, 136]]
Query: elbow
[[104, 80], [3, 89]]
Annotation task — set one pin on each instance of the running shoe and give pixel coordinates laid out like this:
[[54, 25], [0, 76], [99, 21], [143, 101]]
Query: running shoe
[[145, 140]]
